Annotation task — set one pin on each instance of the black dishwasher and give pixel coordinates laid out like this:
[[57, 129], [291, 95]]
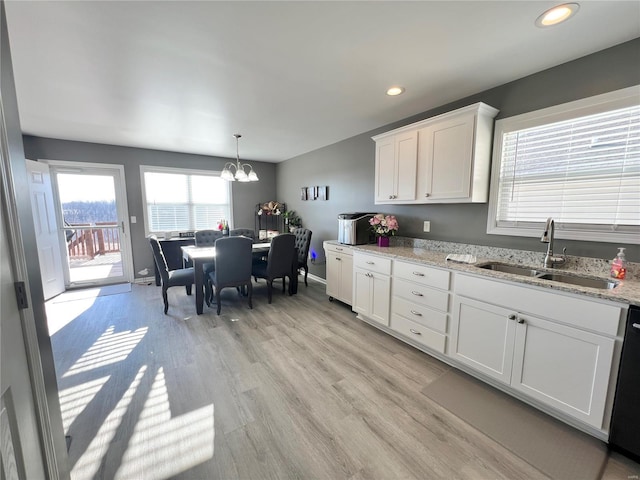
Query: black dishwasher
[[625, 422]]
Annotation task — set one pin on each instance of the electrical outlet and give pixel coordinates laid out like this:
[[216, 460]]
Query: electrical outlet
[[426, 226]]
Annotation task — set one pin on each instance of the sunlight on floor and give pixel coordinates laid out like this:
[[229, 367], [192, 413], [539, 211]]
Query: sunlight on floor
[[109, 348], [74, 400], [92, 459], [61, 314], [162, 445]]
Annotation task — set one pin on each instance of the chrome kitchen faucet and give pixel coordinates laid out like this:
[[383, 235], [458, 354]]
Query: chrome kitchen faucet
[[547, 237]]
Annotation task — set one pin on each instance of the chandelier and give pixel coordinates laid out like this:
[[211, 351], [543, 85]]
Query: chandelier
[[240, 173]]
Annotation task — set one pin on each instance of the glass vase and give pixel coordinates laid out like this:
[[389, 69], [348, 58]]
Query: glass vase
[[383, 241]]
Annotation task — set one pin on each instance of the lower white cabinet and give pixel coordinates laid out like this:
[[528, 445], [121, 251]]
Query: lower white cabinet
[[548, 359], [372, 287], [339, 272]]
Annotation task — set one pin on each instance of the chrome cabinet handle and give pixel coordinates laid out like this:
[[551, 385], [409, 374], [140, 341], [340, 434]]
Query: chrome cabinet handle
[[521, 320], [418, 274], [636, 325], [427, 194], [416, 313], [512, 317], [371, 263], [338, 248], [417, 294], [390, 197], [338, 259], [415, 332]]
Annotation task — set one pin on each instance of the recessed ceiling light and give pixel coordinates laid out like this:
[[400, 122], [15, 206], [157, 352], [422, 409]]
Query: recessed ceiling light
[[393, 91], [557, 15]]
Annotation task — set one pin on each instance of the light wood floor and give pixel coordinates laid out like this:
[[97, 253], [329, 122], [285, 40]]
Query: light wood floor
[[296, 389]]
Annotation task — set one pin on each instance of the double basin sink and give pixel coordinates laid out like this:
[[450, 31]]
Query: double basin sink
[[573, 279]]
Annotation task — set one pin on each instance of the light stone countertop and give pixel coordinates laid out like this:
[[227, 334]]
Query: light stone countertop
[[434, 253]]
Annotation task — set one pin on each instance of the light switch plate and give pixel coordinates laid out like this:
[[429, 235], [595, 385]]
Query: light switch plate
[[426, 226], [133, 219]]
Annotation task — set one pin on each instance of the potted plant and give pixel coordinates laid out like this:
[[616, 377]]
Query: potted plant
[[383, 226], [291, 220]]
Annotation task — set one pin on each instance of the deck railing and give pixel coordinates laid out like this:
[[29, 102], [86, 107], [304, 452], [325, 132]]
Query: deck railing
[[86, 241]]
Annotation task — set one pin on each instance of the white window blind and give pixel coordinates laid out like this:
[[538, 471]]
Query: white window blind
[[184, 200], [584, 172]]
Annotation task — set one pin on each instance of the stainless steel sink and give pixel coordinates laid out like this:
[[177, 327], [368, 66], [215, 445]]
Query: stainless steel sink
[[572, 279], [506, 268], [581, 281]]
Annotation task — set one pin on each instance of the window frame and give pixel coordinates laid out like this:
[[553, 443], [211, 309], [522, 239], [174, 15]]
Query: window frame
[[180, 171], [618, 99]]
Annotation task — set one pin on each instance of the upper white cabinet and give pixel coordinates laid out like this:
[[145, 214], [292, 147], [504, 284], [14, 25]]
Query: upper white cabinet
[[396, 167], [443, 159]]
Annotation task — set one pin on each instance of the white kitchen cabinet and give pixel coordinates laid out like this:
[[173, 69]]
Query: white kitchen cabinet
[[564, 367], [339, 272], [396, 167], [372, 287], [420, 304], [553, 360], [451, 163], [482, 337]]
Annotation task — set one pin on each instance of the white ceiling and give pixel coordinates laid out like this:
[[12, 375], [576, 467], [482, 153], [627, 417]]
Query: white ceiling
[[291, 77]]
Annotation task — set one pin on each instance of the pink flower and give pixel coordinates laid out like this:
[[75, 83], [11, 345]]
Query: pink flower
[[384, 226]]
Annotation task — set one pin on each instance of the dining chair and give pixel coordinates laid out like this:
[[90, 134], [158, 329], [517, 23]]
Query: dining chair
[[303, 242], [207, 238], [182, 277], [280, 262], [245, 232], [232, 268]]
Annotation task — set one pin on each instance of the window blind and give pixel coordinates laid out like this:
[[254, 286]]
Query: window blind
[[184, 201], [583, 172]]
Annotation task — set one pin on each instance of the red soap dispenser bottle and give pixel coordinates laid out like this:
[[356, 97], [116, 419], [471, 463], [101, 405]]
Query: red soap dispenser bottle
[[619, 265]]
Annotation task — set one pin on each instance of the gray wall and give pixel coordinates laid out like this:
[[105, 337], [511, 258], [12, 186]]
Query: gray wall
[[347, 167], [245, 196], [17, 372]]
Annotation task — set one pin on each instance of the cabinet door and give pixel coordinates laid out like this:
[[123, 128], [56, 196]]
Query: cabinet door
[[563, 367], [380, 298], [361, 291], [385, 169], [346, 280], [482, 337], [448, 158], [406, 150], [334, 273]]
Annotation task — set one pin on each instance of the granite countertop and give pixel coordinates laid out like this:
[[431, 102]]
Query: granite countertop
[[628, 291]]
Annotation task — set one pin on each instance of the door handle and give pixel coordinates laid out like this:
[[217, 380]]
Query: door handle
[[636, 325], [122, 226]]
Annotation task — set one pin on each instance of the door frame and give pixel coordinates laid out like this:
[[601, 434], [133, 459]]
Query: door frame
[[122, 210]]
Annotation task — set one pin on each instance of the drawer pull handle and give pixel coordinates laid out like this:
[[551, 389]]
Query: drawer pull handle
[[338, 259], [418, 274], [415, 332], [521, 320], [513, 317], [371, 263], [636, 325], [416, 313], [417, 294], [338, 248]]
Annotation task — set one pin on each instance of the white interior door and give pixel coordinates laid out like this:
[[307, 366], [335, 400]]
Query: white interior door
[[93, 223], [46, 226]]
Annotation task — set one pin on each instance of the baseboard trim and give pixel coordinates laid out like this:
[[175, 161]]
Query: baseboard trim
[[315, 278], [144, 280]]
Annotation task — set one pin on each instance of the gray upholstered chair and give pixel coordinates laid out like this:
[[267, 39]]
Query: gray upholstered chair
[[280, 262], [207, 238], [182, 277], [245, 232], [233, 268], [303, 242]]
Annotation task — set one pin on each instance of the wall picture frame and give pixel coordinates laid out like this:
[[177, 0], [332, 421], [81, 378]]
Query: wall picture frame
[[323, 192], [304, 193]]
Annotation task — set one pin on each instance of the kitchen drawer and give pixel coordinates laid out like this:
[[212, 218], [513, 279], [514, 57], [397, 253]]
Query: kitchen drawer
[[413, 292], [419, 333], [343, 249], [431, 277], [419, 314], [373, 263]]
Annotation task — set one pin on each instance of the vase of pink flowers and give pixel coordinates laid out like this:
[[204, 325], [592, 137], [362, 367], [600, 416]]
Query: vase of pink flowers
[[384, 227]]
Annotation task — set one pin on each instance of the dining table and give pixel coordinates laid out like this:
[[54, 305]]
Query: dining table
[[198, 256]]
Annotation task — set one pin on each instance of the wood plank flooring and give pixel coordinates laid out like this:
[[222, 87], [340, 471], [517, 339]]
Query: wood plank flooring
[[296, 389]]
